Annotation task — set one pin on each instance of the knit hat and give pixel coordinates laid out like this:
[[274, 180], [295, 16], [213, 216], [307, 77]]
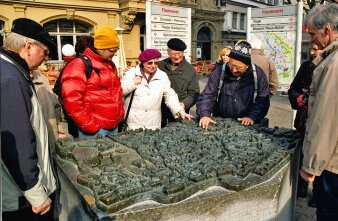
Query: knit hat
[[105, 38], [176, 44], [149, 54], [31, 29], [241, 52], [255, 43]]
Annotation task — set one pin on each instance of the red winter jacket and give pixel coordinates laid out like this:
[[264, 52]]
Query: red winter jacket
[[94, 103]]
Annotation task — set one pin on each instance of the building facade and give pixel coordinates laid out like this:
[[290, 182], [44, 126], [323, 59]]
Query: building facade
[[215, 23]]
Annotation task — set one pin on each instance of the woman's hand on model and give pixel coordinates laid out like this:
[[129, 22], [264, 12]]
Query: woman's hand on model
[[184, 115]]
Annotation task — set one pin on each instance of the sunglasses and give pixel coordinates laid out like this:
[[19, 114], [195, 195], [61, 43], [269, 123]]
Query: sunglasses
[[152, 62]]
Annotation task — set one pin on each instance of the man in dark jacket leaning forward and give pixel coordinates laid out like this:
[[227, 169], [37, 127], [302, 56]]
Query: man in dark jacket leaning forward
[[237, 97]]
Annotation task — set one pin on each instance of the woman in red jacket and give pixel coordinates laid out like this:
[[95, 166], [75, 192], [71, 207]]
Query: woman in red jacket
[[95, 104]]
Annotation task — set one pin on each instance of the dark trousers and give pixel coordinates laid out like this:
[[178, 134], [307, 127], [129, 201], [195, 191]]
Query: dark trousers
[[167, 116], [26, 213], [326, 193]]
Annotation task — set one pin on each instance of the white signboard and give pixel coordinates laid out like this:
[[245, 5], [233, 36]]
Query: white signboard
[[164, 22], [279, 28]]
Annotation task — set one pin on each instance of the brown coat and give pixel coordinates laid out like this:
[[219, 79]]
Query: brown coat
[[268, 67], [320, 145], [51, 108]]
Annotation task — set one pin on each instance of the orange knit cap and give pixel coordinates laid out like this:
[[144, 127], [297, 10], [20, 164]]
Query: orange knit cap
[[105, 38]]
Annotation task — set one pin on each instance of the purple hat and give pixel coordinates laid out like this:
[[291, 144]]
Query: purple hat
[[149, 54]]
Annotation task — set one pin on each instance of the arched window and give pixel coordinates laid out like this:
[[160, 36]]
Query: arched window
[[65, 32], [2, 34], [204, 42]]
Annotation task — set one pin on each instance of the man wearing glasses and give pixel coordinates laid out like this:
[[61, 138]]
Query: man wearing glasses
[[182, 76], [28, 181], [95, 104], [240, 96]]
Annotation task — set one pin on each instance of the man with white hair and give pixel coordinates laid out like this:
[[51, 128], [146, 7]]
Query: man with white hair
[[320, 146], [28, 182], [265, 63]]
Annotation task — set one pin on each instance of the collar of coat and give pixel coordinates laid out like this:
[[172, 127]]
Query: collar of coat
[[326, 51], [16, 57], [138, 73]]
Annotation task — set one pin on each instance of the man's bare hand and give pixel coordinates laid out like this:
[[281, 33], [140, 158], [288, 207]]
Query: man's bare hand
[[44, 208], [309, 178], [246, 121], [205, 121]]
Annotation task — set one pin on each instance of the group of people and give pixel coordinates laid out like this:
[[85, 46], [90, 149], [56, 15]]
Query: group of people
[[149, 96]]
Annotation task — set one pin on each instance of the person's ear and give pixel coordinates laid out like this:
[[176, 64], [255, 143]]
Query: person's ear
[[327, 28]]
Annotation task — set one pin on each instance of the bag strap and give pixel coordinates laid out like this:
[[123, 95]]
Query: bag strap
[[221, 79], [129, 106], [255, 82], [88, 66]]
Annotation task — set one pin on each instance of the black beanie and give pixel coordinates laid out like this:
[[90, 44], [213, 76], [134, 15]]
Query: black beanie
[[176, 44], [241, 52], [33, 30]]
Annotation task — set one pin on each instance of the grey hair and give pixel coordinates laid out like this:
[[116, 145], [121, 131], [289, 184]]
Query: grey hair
[[321, 15], [15, 42]]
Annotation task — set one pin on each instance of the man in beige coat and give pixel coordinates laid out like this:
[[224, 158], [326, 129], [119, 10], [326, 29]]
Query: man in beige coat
[[51, 109], [265, 63], [320, 145]]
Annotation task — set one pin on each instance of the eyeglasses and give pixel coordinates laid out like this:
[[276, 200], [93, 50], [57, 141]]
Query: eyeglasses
[[45, 51], [241, 69], [176, 54], [113, 50], [152, 63]]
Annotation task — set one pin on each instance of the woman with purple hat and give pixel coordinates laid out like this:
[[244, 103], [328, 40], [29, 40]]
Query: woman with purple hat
[[150, 85]]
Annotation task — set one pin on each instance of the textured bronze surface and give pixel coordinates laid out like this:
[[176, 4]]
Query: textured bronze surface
[[171, 164]]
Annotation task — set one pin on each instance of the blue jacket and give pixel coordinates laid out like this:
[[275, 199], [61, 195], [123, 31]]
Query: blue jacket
[[26, 169], [236, 95]]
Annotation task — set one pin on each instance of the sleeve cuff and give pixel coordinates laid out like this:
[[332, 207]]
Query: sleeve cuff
[[36, 195]]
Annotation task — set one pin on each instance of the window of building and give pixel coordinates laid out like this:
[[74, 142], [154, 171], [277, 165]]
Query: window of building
[[142, 37], [242, 21], [65, 32], [271, 2], [234, 20], [2, 34]]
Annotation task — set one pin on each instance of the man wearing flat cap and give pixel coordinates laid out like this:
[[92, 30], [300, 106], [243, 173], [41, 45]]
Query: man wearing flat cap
[[244, 94], [182, 76], [95, 104], [28, 180]]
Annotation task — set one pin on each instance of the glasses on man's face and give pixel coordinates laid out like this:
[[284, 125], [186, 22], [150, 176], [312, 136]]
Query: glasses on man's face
[[241, 69], [152, 63], [113, 50], [45, 51], [176, 54]]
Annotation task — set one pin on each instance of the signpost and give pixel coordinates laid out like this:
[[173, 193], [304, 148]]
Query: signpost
[[164, 22], [280, 30]]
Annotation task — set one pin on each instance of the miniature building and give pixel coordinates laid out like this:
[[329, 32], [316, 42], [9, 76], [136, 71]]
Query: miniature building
[[182, 172]]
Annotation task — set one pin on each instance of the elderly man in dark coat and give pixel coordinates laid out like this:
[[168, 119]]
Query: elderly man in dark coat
[[182, 76], [243, 93]]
